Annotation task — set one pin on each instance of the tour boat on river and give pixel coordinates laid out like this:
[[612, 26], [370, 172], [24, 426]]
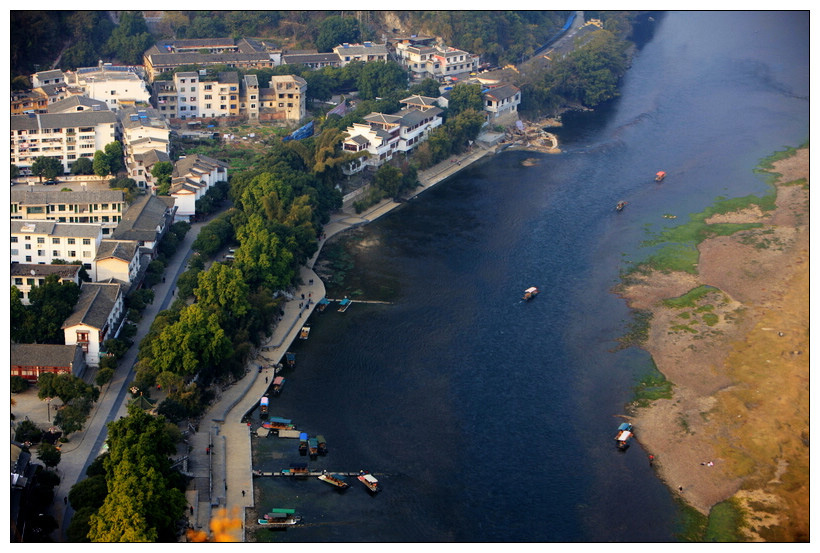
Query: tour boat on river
[[620, 205], [278, 383], [334, 480], [624, 435], [660, 175], [370, 481], [280, 518], [530, 293]]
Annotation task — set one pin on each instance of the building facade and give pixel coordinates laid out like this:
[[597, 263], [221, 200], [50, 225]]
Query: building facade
[[43, 241]]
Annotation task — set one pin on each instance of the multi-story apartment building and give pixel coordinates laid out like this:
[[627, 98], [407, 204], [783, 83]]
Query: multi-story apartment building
[[367, 51], [26, 276], [284, 100], [65, 136], [28, 101], [34, 241], [312, 59], [103, 207], [117, 86], [244, 53], [146, 139], [437, 62]]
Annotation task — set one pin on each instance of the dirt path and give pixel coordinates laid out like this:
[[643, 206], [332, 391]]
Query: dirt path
[[739, 360]]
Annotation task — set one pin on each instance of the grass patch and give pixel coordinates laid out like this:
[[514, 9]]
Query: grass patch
[[651, 386], [690, 298], [691, 524], [710, 319], [638, 330], [725, 522]]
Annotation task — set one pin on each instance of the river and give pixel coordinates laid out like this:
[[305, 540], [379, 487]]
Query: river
[[488, 419]]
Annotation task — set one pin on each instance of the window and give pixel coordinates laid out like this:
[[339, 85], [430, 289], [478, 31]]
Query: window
[[30, 281], [55, 253], [13, 239], [28, 246], [41, 239], [71, 241], [18, 281], [72, 253], [86, 241], [86, 253]]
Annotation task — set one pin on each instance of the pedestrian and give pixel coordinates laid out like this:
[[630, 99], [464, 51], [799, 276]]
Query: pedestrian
[[65, 500], [651, 458], [680, 488], [266, 380], [243, 493], [192, 510]]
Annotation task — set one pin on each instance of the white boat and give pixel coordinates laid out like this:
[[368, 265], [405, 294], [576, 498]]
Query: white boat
[[370, 481], [530, 293], [333, 480], [303, 334]]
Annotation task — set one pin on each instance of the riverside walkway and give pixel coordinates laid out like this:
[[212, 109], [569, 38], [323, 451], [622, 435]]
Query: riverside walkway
[[229, 464]]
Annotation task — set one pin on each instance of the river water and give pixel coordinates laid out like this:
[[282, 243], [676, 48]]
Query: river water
[[488, 419]]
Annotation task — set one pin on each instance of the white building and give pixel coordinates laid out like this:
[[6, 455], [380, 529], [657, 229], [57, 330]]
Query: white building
[[79, 206], [365, 52], [42, 241], [95, 319], [117, 259], [143, 130], [26, 276], [65, 136], [436, 62], [191, 179], [501, 102], [117, 86]]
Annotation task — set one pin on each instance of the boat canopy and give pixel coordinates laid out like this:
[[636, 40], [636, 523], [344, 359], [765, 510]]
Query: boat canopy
[[625, 426], [278, 380], [280, 420], [370, 478], [624, 436], [284, 511], [264, 400], [303, 436]]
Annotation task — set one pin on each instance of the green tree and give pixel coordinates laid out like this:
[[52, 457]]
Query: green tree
[[388, 180], [49, 305], [65, 386], [335, 30], [49, 455], [27, 431], [114, 153], [223, 289], [380, 78], [144, 501], [82, 166], [161, 171], [101, 164], [48, 167], [129, 39], [464, 97], [72, 416], [262, 257]]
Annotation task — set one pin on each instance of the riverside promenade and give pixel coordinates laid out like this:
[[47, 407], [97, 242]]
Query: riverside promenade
[[224, 475]]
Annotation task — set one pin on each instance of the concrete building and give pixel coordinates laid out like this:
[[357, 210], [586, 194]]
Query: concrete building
[[25, 276], [95, 319], [144, 130], [104, 207], [191, 179], [243, 53], [118, 260], [42, 241], [501, 103], [365, 52], [116, 85], [65, 136]]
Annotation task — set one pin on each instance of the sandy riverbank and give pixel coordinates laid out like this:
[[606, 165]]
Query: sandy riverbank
[[741, 373]]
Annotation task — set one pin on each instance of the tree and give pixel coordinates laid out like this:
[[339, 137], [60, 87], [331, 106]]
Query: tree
[[41, 321], [380, 78], [71, 417], [388, 180], [161, 171], [335, 30], [82, 166], [144, 500], [464, 97], [101, 164], [27, 431], [114, 153], [129, 39], [428, 87], [65, 386], [223, 289], [49, 455], [48, 167]]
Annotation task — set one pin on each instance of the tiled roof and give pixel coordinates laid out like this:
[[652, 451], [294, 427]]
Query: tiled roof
[[141, 219], [119, 249], [85, 118], [43, 355], [23, 196], [63, 271], [73, 102], [94, 306]]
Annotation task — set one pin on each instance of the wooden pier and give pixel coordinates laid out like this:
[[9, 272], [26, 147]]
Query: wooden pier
[[304, 474]]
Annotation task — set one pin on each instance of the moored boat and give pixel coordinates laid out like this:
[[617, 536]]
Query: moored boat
[[624, 435], [660, 175], [290, 359], [304, 333], [297, 469], [344, 304], [278, 423], [280, 517], [620, 205], [303, 443], [313, 447], [263, 407], [322, 304], [334, 480], [370, 481], [322, 444], [278, 383], [530, 293]]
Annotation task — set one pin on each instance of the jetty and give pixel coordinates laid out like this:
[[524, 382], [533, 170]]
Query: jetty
[[286, 473]]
